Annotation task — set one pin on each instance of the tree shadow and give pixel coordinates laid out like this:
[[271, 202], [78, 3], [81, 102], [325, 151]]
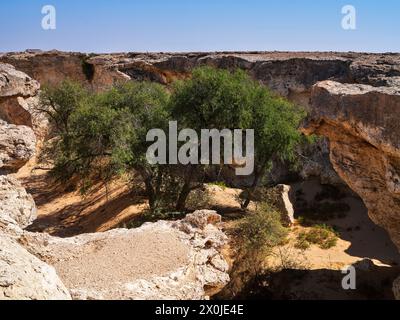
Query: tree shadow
[[323, 284], [87, 216]]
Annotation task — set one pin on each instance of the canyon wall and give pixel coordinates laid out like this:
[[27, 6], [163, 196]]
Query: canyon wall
[[289, 74], [353, 99], [22, 275], [362, 125]]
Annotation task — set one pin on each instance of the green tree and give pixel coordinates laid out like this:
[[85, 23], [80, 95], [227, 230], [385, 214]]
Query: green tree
[[102, 135], [222, 99]]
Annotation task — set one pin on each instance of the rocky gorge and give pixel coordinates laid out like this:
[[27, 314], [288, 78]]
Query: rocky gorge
[[30, 262], [353, 101]]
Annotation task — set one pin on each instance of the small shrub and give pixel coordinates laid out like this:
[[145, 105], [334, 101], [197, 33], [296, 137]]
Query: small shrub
[[302, 244], [323, 211], [330, 208], [290, 259], [322, 235], [263, 229], [257, 234]]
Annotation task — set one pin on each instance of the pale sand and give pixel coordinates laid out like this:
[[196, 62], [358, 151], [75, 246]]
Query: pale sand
[[359, 238], [120, 260]]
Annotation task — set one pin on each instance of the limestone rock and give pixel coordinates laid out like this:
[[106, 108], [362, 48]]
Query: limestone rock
[[201, 218], [17, 208], [25, 277], [362, 124], [284, 205], [36, 119], [15, 88], [162, 260], [9, 226], [16, 83], [17, 146]]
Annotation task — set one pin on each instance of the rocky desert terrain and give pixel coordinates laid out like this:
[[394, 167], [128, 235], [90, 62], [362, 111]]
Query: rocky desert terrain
[[57, 245]]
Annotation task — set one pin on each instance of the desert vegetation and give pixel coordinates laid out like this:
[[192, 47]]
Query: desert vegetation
[[322, 235], [256, 236], [99, 136]]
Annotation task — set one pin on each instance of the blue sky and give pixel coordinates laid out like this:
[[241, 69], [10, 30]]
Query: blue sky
[[200, 25]]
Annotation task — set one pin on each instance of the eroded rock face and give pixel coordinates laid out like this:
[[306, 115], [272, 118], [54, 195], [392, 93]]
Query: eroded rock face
[[162, 260], [362, 124], [14, 83], [16, 206], [17, 146], [289, 74], [15, 87], [315, 163], [25, 277], [49, 67]]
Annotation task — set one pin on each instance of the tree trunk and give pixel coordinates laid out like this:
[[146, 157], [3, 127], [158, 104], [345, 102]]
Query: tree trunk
[[186, 189], [181, 202], [257, 175], [150, 192]]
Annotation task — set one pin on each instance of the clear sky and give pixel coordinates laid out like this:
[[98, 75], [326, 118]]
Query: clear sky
[[200, 25]]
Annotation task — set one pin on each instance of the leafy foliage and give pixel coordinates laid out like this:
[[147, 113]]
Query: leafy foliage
[[322, 235], [222, 99], [258, 234], [101, 135], [262, 230]]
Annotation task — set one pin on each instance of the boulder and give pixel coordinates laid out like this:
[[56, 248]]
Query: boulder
[[284, 205], [17, 208], [14, 83], [176, 260], [17, 146], [25, 277], [16, 89]]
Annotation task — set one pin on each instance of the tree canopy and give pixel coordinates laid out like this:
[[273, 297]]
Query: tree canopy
[[103, 135]]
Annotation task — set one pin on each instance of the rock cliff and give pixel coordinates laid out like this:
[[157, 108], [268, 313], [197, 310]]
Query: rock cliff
[[362, 125], [290, 74]]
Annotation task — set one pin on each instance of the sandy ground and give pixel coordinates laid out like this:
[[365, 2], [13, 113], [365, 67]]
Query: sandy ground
[[67, 213], [111, 263], [359, 237]]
